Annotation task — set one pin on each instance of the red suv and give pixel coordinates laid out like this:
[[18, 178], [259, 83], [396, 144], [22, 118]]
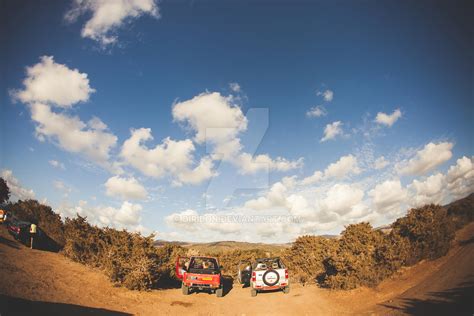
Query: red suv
[[199, 273]]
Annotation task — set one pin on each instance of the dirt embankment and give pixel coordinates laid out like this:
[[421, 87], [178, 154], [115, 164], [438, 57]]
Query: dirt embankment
[[37, 282]]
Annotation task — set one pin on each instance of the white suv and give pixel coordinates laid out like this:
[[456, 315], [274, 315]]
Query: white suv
[[265, 274]]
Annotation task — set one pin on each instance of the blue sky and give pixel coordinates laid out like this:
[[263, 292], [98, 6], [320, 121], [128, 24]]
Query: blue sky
[[393, 84]]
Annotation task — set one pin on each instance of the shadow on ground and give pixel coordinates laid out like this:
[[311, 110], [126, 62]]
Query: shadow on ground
[[9, 243], [455, 301], [17, 306], [227, 283]]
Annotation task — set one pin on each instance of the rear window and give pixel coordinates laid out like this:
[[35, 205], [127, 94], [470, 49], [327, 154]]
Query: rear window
[[268, 264], [203, 265]]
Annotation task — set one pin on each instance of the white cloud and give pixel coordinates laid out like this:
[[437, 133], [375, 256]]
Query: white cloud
[[327, 95], [127, 216], [380, 163], [109, 15], [427, 159], [275, 197], [217, 120], [235, 87], [332, 130], [17, 191], [388, 196], [49, 85], [317, 111], [55, 84], [431, 190], [249, 164], [315, 177], [388, 119], [171, 157], [213, 117], [190, 220], [342, 198], [346, 165], [125, 188], [72, 134], [460, 177], [57, 164]]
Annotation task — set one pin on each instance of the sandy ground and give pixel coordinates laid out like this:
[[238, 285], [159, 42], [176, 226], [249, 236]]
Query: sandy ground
[[37, 282]]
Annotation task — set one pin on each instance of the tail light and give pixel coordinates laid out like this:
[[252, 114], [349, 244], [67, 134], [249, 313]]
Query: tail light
[[286, 273], [254, 277]]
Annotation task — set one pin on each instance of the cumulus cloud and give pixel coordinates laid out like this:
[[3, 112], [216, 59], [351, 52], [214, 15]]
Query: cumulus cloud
[[317, 111], [332, 130], [431, 190], [346, 165], [57, 164], [275, 197], [55, 84], [217, 120], [49, 86], [190, 220], [213, 117], [125, 188], [108, 16], [72, 134], [388, 196], [127, 216], [427, 159], [342, 198], [388, 119], [380, 163], [17, 191], [174, 158], [460, 177], [327, 95]]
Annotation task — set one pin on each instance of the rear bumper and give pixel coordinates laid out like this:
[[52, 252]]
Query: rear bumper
[[270, 288], [203, 285]]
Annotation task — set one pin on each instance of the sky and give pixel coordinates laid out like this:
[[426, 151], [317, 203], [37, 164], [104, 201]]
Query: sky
[[237, 120]]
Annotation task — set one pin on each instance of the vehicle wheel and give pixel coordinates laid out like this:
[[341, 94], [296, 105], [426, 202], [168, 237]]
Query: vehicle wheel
[[253, 292], [220, 292], [286, 289], [185, 289], [271, 277]]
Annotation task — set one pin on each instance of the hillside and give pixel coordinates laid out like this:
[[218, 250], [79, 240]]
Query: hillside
[[37, 282]]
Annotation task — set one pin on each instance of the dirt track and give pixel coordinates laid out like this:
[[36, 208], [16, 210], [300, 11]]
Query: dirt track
[[35, 282]]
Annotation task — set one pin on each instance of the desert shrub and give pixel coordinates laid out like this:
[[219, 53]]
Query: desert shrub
[[306, 257], [166, 261], [428, 230], [364, 257], [42, 215], [126, 258], [4, 191], [462, 211]]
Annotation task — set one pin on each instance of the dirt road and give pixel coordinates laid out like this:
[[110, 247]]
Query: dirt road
[[35, 282]]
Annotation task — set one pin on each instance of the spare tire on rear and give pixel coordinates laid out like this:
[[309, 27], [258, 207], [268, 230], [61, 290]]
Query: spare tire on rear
[[271, 277]]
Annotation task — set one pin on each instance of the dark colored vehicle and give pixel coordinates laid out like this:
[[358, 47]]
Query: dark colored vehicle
[[199, 273], [20, 230]]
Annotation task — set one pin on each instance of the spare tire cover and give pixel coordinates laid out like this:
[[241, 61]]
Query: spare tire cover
[[271, 277]]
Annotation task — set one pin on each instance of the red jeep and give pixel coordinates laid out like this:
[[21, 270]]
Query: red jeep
[[199, 273]]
